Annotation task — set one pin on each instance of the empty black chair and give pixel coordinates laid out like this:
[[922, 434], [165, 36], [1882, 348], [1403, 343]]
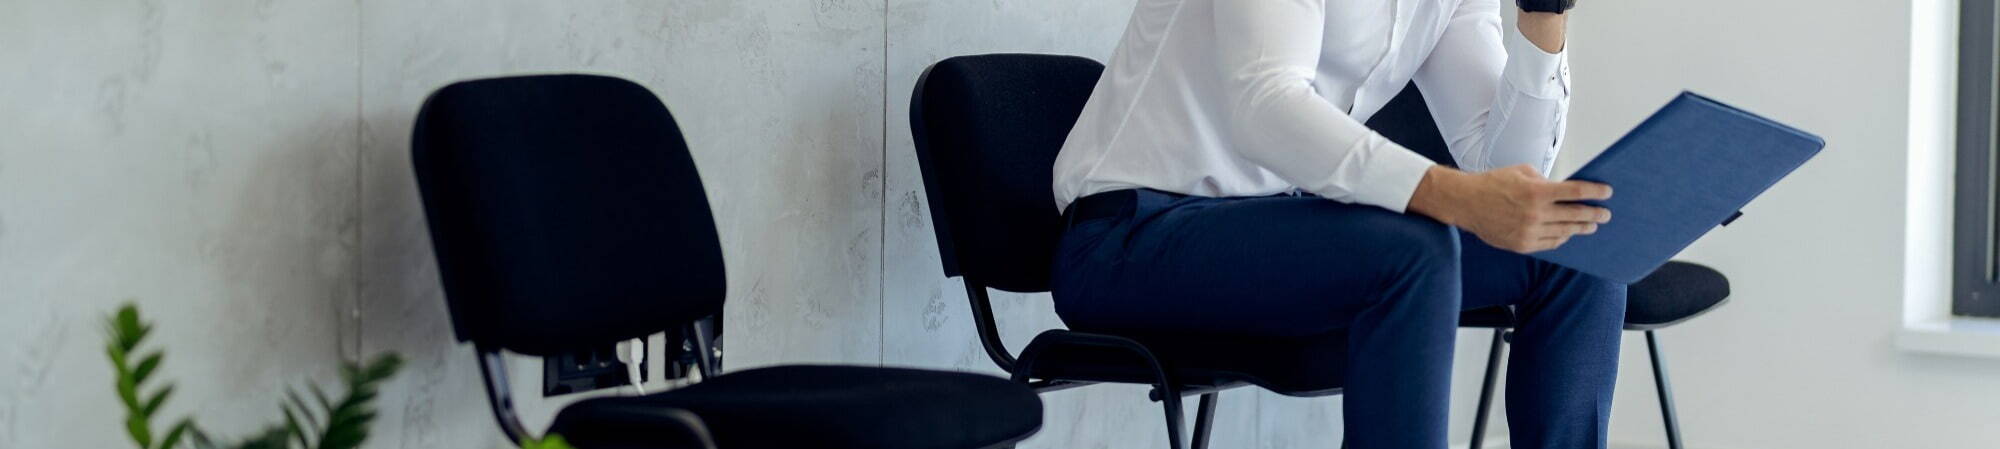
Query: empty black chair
[[1676, 292], [566, 212]]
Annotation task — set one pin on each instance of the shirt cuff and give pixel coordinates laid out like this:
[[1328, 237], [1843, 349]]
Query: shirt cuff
[[1392, 177], [1537, 73]]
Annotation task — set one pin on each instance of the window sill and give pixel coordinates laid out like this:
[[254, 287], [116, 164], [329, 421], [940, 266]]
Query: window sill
[[1955, 336]]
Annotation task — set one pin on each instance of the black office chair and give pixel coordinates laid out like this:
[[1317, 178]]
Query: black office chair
[[566, 212], [1677, 292], [987, 130]]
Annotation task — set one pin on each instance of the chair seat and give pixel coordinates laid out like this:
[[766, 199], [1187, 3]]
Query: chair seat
[[1674, 293], [820, 407], [1493, 317], [1315, 365], [1293, 366]]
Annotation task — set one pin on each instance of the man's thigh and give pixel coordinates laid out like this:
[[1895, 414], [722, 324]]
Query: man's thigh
[[1278, 265]]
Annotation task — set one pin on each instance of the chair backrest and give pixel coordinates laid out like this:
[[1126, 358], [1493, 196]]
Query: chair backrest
[[565, 211], [987, 130], [1407, 121]]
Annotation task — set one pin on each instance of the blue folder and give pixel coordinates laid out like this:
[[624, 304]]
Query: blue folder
[[1687, 169]]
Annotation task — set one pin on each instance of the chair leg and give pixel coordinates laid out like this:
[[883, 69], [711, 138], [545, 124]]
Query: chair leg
[[1667, 414], [1170, 399], [1204, 421], [1493, 356]]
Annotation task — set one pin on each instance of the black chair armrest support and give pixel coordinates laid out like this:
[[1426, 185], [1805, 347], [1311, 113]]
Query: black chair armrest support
[[989, 331], [1164, 388], [707, 358], [493, 370]]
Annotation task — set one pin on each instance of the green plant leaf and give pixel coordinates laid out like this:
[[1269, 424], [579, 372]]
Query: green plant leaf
[[137, 428], [344, 438], [551, 441], [159, 398], [200, 439], [383, 367], [348, 419], [361, 396], [274, 437], [345, 421], [117, 355], [305, 412], [146, 366], [292, 425], [174, 436], [125, 322], [130, 329], [128, 391], [125, 329], [320, 395]]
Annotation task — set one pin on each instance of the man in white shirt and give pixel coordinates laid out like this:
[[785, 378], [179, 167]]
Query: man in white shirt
[[1220, 180]]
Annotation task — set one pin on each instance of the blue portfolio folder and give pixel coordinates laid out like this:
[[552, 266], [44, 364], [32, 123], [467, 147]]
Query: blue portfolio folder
[[1685, 170]]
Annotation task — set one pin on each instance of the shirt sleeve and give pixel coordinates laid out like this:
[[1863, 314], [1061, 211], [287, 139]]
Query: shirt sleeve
[[1268, 51], [1498, 99]]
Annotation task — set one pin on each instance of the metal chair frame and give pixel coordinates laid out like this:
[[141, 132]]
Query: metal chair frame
[[1669, 417], [493, 373]]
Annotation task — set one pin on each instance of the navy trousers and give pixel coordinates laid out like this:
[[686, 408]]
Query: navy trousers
[[1301, 265]]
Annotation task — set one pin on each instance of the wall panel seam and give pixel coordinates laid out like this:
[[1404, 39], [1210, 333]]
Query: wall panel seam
[[882, 231], [353, 311]]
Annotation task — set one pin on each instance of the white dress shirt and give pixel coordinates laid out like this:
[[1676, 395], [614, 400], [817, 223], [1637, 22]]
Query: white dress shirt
[[1258, 97]]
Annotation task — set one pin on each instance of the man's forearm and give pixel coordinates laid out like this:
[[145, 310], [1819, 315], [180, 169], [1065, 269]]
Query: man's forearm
[[1439, 194], [1546, 30]]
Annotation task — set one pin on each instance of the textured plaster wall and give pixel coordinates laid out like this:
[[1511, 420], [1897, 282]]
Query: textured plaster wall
[[196, 157], [241, 170]]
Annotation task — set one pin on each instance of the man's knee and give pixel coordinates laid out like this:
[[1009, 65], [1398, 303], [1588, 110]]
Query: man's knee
[[1599, 295], [1418, 260], [1421, 243]]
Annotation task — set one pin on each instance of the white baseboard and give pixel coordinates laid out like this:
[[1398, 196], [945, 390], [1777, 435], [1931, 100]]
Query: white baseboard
[[1502, 444], [1661, 444], [1492, 442], [1633, 445]]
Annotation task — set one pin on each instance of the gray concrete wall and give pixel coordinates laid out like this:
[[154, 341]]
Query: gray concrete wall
[[240, 170], [198, 158]]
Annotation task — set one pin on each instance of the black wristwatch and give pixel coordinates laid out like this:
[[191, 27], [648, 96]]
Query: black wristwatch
[[1554, 6]]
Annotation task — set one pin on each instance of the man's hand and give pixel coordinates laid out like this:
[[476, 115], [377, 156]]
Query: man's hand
[[1512, 208]]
